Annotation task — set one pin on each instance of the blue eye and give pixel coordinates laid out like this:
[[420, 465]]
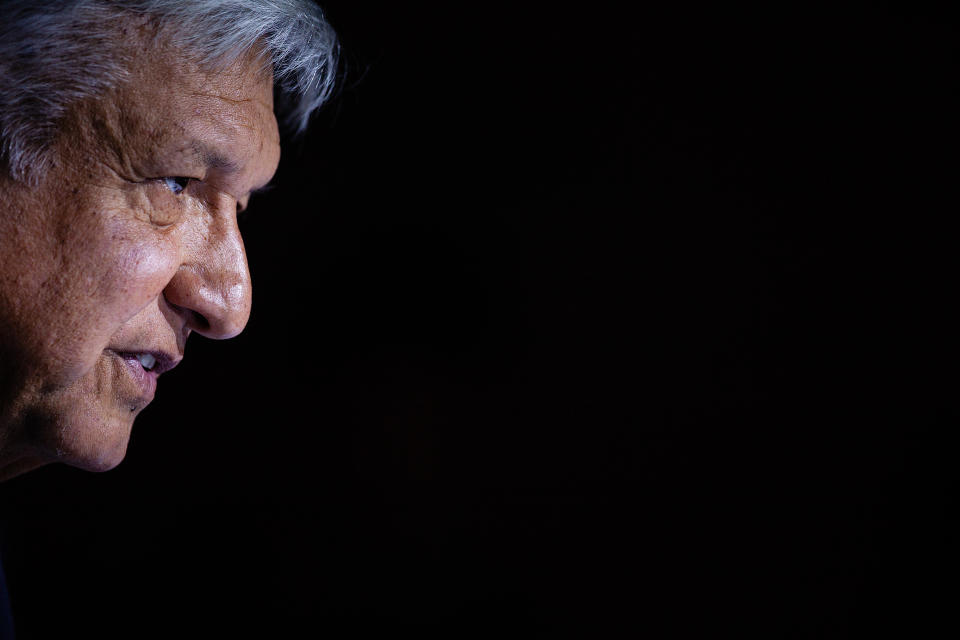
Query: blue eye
[[176, 184]]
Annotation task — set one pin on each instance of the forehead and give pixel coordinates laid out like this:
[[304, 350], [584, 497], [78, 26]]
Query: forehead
[[223, 118]]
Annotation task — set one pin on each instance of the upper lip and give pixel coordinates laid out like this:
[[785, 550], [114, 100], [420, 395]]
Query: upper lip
[[164, 360]]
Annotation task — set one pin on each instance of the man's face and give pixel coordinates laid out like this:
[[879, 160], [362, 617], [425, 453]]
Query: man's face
[[128, 245]]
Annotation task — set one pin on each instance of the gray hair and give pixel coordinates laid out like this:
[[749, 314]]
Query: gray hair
[[54, 53]]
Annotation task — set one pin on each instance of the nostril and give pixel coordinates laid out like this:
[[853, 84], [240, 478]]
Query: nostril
[[193, 320], [198, 322]]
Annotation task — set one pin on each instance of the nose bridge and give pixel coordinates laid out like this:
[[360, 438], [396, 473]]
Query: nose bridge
[[214, 281]]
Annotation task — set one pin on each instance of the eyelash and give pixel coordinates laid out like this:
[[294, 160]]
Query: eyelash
[[176, 184]]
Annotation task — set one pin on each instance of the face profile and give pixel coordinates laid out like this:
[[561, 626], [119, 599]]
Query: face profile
[[125, 242]]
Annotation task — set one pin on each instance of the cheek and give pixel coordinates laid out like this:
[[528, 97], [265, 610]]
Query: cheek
[[137, 274], [101, 285]]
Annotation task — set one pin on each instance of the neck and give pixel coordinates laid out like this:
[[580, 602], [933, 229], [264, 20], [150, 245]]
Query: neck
[[13, 466]]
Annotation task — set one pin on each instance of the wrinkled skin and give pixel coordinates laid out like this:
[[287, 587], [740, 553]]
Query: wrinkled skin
[[103, 258]]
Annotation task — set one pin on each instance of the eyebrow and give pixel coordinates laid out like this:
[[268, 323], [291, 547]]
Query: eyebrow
[[213, 158]]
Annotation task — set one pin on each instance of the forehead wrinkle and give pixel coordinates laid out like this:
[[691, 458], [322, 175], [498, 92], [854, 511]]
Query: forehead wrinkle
[[232, 126], [228, 124], [219, 96]]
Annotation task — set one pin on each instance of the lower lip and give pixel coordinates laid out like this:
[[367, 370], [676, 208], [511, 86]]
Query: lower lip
[[146, 381]]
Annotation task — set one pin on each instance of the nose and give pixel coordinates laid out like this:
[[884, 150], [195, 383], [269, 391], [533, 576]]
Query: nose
[[212, 285]]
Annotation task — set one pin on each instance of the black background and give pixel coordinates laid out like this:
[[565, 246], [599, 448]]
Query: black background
[[570, 319]]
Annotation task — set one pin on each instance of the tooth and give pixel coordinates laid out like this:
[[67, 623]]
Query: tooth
[[147, 360]]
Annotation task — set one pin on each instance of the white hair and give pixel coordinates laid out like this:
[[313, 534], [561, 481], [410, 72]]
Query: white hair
[[54, 53]]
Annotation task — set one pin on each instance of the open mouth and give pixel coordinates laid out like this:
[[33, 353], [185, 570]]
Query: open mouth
[[151, 362], [146, 360]]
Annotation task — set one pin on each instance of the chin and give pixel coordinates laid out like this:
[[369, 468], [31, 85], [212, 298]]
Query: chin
[[97, 461], [87, 440], [98, 446], [84, 424]]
